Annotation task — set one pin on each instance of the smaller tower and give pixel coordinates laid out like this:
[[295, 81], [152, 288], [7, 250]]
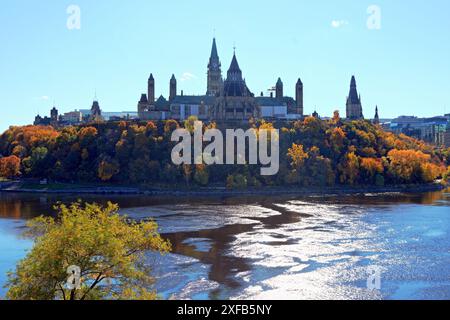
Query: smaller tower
[[143, 103], [315, 114], [54, 114], [279, 89], [376, 119], [173, 88], [37, 120], [299, 96], [151, 89], [354, 106], [214, 83], [96, 112]]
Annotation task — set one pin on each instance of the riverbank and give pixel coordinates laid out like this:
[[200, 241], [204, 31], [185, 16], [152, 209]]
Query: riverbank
[[20, 187]]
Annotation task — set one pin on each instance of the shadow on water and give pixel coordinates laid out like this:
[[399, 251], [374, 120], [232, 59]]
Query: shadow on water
[[28, 206], [223, 266]]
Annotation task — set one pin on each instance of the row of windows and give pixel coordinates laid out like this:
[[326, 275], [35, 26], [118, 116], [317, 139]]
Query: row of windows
[[191, 110]]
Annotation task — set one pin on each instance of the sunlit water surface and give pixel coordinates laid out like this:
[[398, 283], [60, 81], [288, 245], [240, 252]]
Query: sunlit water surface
[[278, 248]]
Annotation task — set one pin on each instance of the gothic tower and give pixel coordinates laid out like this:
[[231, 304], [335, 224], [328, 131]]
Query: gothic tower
[[235, 84], [173, 88], [236, 101], [354, 107], [215, 82], [96, 112], [151, 89], [376, 119], [279, 89], [299, 97], [54, 114]]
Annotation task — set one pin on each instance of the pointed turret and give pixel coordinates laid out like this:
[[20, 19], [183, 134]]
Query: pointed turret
[[214, 54], [234, 66], [173, 88], [234, 72], [234, 84], [96, 112], [279, 89], [54, 114], [353, 82], [299, 96], [354, 107], [151, 89], [215, 82], [376, 119], [143, 98], [353, 94]]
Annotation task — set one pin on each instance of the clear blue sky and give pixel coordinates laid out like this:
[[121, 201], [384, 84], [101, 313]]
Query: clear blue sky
[[404, 67]]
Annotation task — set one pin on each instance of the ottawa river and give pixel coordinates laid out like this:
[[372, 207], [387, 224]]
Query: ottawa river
[[278, 247]]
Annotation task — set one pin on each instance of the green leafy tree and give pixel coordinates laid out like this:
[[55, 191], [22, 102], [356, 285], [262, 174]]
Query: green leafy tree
[[103, 252]]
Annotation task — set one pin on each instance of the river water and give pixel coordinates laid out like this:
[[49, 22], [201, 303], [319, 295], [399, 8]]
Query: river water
[[389, 246]]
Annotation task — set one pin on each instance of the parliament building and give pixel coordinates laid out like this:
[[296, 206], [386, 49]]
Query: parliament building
[[226, 99], [229, 99]]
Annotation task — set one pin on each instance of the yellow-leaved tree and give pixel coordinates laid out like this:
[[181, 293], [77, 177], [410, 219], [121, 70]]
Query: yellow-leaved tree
[[88, 252]]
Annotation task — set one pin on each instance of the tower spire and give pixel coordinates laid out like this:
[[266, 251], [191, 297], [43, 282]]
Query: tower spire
[[151, 89], [299, 97], [376, 119], [173, 88], [214, 54], [354, 107], [214, 72], [279, 89]]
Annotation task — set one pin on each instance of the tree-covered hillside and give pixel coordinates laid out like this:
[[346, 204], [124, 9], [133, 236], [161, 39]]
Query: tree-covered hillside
[[313, 152]]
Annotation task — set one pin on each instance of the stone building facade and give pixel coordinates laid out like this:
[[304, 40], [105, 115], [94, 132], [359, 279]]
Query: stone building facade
[[226, 99]]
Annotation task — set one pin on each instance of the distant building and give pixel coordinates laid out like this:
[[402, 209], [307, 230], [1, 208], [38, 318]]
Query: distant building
[[71, 118], [432, 130], [118, 116], [354, 106], [47, 121], [447, 136]]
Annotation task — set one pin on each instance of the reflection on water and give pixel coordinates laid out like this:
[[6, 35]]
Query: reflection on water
[[281, 247]]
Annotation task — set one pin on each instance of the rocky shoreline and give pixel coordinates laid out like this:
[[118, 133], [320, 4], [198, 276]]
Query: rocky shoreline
[[16, 187]]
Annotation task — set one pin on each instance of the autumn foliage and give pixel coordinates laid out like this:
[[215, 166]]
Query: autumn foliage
[[10, 167], [313, 152], [109, 251]]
